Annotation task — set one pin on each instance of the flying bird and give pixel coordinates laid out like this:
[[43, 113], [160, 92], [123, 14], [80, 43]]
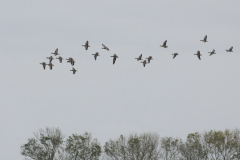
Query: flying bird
[[95, 55], [44, 65], [50, 59], [164, 44], [86, 45], [205, 39], [149, 59], [213, 52], [144, 63], [199, 55], [73, 70], [114, 58], [175, 55], [71, 60], [230, 49], [105, 47], [56, 52], [60, 59], [50, 66], [139, 58]]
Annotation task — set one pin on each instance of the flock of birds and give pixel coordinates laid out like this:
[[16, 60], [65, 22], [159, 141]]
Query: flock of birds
[[71, 60]]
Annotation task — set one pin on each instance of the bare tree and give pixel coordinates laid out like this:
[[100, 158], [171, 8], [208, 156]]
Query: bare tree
[[83, 147], [236, 135], [116, 150], [169, 148], [223, 145], [193, 148], [44, 146], [135, 147]]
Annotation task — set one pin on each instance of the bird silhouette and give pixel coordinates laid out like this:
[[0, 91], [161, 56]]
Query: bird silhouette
[[44, 65], [199, 55], [60, 59], [205, 39], [139, 58], [149, 59], [56, 52], [164, 44], [213, 52], [50, 59], [73, 70], [50, 66], [144, 63], [114, 58], [175, 55], [86, 45], [71, 60], [95, 55], [230, 49], [105, 47]]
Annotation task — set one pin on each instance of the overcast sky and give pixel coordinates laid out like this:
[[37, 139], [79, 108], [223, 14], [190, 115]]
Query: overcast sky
[[171, 97]]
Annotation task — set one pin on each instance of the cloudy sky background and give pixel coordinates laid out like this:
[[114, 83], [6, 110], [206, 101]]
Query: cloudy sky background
[[171, 97]]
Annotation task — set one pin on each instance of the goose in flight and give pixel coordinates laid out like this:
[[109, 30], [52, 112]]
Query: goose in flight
[[105, 47], [86, 45], [71, 60], [114, 58], [50, 66], [144, 63], [205, 39], [199, 55], [60, 59], [73, 70], [56, 52], [50, 59], [95, 55], [175, 55], [213, 52], [164, 44], [230, 49], [139, 58], [44, 65], [149, 59]]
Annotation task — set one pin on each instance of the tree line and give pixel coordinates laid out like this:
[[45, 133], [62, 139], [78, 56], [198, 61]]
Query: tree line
[[51, 144]]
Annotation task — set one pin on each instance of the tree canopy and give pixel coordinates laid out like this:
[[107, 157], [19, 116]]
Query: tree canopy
[[50, 144]]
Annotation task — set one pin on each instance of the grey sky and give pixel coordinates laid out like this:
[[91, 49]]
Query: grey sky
[[171, 97]]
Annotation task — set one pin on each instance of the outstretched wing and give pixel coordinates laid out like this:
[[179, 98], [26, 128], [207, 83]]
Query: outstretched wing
[[174, 56], [205, 38], [199, 57], [56, 51], [114, 60], [140, 57], [105, 47], [149, 59], [164, 43]]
